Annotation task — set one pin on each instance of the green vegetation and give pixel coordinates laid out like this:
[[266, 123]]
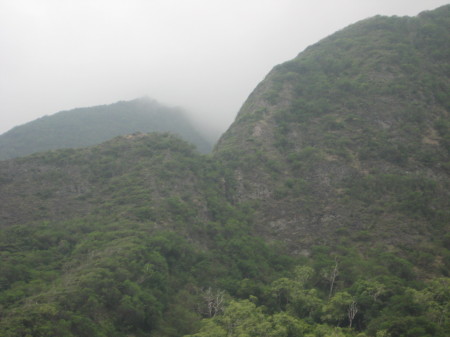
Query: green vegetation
[[355, 125], [323, 211], [89, 126], [90, 278]]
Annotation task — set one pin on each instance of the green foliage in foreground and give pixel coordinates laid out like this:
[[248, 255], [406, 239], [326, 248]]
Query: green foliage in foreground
[[97, 277], [91, 278], [144, 237], [305, 313]]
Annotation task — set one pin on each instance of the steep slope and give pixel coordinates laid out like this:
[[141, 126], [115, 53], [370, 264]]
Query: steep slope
[[125, 238], [349, 142], [133, 170], [94, 125], [339, 157]]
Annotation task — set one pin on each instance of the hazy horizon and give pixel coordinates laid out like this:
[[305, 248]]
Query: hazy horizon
[[203, 56]]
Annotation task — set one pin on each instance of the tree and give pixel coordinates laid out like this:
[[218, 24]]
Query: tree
[[337, 308], [436, 299], [331, 275], [213, 302], [351, 312]]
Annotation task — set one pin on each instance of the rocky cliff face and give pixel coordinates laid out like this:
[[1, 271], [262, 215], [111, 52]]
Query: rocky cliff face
[[350, 139], [341, 155]]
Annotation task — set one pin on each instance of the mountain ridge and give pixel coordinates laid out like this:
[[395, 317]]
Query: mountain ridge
[[82, 127], [322, 211], [297, 114]]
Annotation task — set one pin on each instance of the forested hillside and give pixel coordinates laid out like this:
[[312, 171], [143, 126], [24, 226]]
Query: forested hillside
[[322, 211], [351, 137], [129, 237], [89, 126]]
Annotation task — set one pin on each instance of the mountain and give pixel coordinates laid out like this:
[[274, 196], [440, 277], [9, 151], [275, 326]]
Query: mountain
[[89, 126], [351, 138], [125, 238], [322, 211]]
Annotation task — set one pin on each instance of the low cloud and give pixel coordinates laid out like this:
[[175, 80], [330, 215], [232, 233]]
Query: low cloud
[[203, 55]]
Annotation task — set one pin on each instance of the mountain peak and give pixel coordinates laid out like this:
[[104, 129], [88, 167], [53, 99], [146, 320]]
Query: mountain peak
[[366, 105], [88, 126], [323, 210]]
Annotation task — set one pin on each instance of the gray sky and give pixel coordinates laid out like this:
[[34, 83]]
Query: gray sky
[[203, 55]]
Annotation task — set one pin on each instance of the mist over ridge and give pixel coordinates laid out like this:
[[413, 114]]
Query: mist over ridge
[[205, 56], [88, 126], [323, 210]]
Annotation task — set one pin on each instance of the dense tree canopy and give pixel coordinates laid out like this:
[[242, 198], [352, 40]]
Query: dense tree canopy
[[323, 211]]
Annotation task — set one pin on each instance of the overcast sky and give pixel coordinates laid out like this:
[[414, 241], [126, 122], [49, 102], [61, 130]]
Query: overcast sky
[[203, 55]]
